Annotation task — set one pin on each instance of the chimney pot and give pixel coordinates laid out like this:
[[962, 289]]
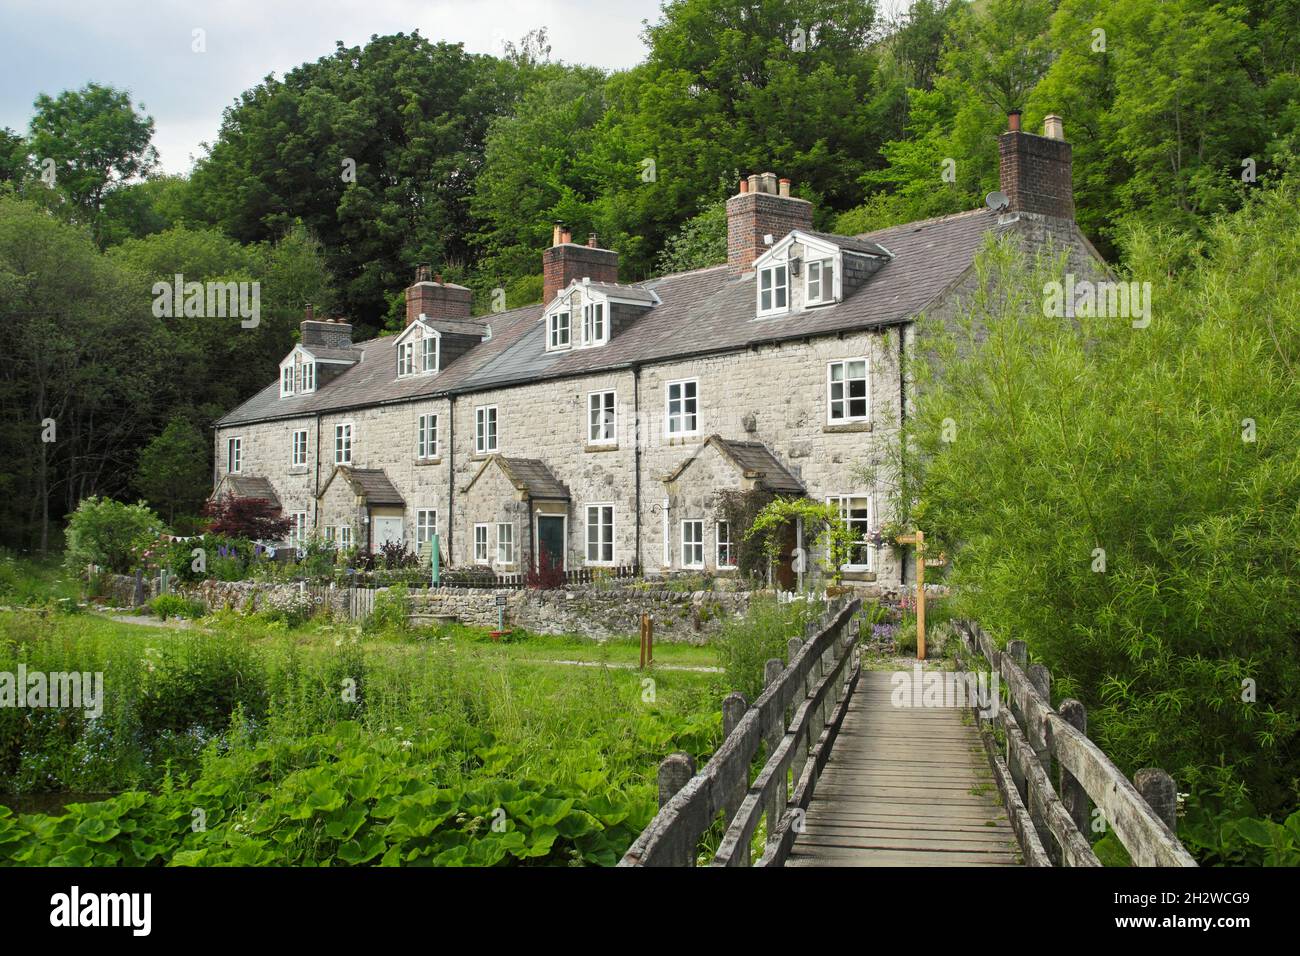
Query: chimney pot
[[438, 278], [1053, 128], [555, 233], [762, 211], [1013, 121], [753, 183], [744, 185], [785, 188], [769, 183], [566, 235], [422, 273], [311, 312], [592, 242]]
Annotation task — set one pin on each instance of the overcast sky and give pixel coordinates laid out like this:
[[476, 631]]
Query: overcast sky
[[144, 46]]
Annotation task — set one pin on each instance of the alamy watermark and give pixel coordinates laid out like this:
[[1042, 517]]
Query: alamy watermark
[[58, 689], [919, 688], [1105, 299], [208, 300]]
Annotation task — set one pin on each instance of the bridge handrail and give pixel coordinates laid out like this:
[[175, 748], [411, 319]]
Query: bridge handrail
[[1142, 816], [802, 742]]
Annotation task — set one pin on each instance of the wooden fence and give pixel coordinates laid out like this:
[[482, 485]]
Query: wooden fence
[[1051, 822], [361, 603], [796, 718]]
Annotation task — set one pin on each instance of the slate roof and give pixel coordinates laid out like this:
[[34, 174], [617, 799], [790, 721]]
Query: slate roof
[[371, 484], [321, 352], [851, 243], [756, 461], [706, 310], [248, 486], [529, 475], [753, 459]]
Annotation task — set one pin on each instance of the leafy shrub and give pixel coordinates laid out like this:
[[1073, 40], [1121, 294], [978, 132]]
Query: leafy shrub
[[905, 636], [173, 605], [255, 519], [392, 610], [110, 534]]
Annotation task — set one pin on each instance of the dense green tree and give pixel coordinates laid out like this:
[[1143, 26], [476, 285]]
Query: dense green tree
[[702, 241], [174, 472], [374, 148], [93, 140]]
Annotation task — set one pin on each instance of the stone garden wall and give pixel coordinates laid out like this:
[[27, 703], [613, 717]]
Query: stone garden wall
[[680, 616]]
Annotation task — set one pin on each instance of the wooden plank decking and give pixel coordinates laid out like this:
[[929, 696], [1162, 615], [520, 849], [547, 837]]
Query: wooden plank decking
[[904, 787]]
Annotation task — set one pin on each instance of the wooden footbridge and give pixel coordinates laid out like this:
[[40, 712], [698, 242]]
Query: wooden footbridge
[[836, 766]]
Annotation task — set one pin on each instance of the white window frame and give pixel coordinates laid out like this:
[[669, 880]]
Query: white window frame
[[329, 534], [696, 546], [682, 431], [287, 379], [846, 400], [405, 358], [343, 443], [481, 431], [426, 436], [294, 462], [297, 529], [825, 283], [309, 376], [426, 525], [841, 501], [506, 556], [597, 424], [602, 528], [553, 344], [480, 553], [769, 273], [345, 537], [425, 353], [717, 547], [235, 455], [594, 314]]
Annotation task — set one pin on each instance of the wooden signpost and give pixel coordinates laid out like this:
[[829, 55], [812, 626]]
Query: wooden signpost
[[918, 538], [647, 641]]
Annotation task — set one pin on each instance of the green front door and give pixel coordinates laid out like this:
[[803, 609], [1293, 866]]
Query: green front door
[[550, 541]]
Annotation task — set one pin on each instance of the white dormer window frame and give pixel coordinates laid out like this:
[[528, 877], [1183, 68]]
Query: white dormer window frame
[[308, 375], [774, 289], [413, 361], [286, 379], [559, 330], [776, 271], [595, 322], [820, 285]]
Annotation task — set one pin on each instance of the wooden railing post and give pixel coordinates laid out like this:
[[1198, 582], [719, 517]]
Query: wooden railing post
[[1161, 794], [1041, 678], [675, 771], [773, 736], [792, 647], [1019, 653], [734, 706], [1073, 795]]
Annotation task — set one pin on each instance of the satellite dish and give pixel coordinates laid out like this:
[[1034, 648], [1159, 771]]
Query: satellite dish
[[997, 201]]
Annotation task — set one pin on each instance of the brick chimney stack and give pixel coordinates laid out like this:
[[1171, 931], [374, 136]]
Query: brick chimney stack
[[565, 261], [1036, 171], [324, 332], [436, 299], [763, 207]]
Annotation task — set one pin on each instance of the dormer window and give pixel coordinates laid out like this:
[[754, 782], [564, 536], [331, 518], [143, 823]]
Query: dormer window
[[286, 380], [773, 289], [405, 358], [595, 331], [308, 376], [559, 331], [819, 282], [429, 353]]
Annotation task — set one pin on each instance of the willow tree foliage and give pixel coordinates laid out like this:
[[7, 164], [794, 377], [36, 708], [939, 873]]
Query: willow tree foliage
[[1126, 497]]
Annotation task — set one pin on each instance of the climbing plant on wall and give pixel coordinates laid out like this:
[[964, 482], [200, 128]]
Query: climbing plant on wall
[[822, 525]]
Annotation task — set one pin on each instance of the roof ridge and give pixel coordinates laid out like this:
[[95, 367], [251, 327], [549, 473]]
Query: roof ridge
[[920, 222]]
